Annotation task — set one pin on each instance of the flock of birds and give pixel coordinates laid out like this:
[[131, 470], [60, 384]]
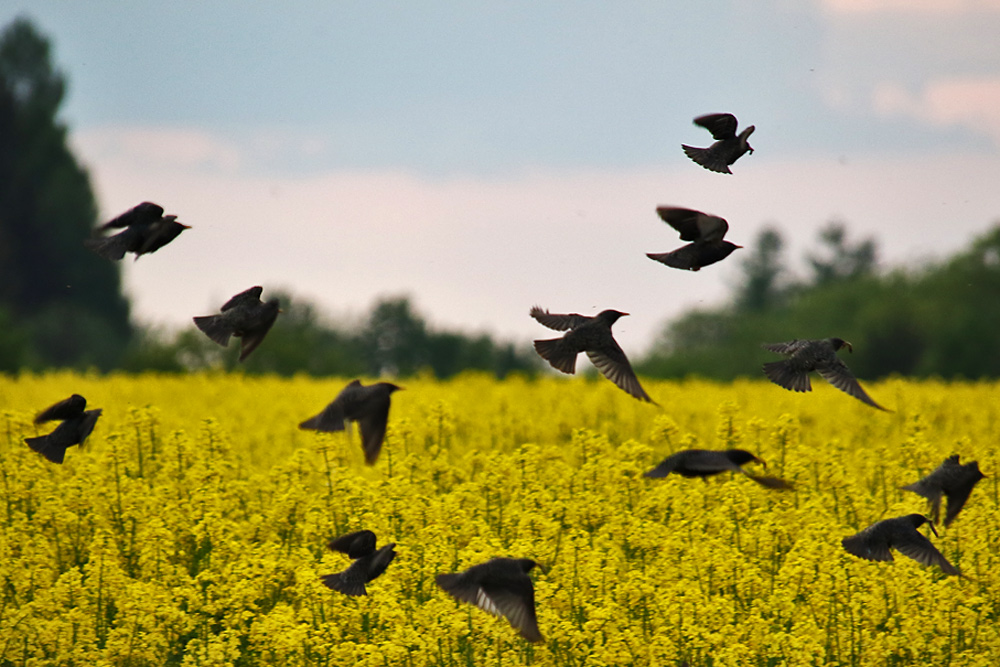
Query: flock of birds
[[501, 586]]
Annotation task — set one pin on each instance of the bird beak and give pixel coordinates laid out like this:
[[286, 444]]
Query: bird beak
[[762, 462], [850, 348], [184, 226], [543, 568], [932, 528]]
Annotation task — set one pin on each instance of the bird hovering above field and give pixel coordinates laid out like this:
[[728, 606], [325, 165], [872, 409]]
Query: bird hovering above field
[[593, 336], [368, 563], [706, 234], [900, 533], [727, 149], [146, 230], [502, 587], [705, 462], [369, 406], [243, 316], [953, 479], [77, 424], [814, 355]]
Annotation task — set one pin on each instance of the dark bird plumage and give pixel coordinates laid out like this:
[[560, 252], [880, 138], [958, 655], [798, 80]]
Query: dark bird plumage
[[368, 563], [706, 234], [593, 336], [729, 146], [502, 587], [243, 316], [820, 355], [952, 479], [900, 533], [146, 230], [705, 462], [368, 406], [77, 424]]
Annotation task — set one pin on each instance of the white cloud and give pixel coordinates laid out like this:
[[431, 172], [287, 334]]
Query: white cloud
[[934, 7], [973, 102], [163, 147]]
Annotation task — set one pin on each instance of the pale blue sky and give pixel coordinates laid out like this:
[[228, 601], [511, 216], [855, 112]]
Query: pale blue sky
[[489, 156]]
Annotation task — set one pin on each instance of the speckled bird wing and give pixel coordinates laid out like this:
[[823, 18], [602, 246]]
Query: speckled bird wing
[[839, 375], [721, 125], [357, 544], [914, 545], [559, 322], [64, 409], [789, 348], [684, 220], [614, 365], [248, 297]]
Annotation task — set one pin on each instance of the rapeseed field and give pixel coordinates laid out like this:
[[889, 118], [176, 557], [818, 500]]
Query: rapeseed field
[[191, 527]]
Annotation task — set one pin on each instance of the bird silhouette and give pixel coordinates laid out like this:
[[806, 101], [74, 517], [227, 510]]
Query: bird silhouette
[[706, 234], [593, 336], [368, 563], [814, 355], [706, 462], [146, 230], [900, 533], [952, 479], [502, 587], [728, 148], [243, 316], [77, 424], [369, 406]]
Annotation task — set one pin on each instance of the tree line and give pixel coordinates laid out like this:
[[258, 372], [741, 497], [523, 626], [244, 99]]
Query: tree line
[[64, 307]]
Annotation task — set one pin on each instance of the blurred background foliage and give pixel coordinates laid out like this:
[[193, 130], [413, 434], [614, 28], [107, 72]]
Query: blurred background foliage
[[64, 307]]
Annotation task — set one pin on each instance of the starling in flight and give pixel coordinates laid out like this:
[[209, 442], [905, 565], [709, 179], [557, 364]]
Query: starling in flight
[[77, 424], [369, 406], [593, 336], [500, 586], [368, 563], [814, 355], [705, 462], [146, 230], [727, 149], [900, 533], [953, 479], [706, 234], [243, 316]]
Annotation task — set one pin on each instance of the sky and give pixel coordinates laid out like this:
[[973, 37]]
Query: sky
[[485, 157]]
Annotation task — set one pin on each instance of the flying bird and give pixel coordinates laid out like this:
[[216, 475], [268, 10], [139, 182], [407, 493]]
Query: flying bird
[[502, 587], [952, 479], [369, 406], [593, 336], [706, 234], [368, 563], [243, 316], [814, 355], [728, 147], [77, 424], [145, 230], [900, 533], [705, 463]]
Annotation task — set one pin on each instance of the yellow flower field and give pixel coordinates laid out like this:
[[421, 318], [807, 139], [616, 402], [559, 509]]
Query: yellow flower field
[[191, 527]]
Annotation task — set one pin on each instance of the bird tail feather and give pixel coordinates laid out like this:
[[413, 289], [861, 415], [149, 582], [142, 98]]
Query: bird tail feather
[[112, 247], [337, 583], [44, 446], [214, 328], [553, 351]]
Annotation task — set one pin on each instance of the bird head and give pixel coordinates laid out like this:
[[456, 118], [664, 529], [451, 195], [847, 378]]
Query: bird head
[[391, 387], [919, 519], [609, 317], [839, 343], [742, 456], [745, 136], [528, 565]]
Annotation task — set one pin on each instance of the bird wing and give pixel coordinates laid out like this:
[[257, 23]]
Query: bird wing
[[614, 365], [245, 298], [919, 548], [357, 544], [713, 158], [863, 546], [252, 338], [373, 427], [929, 489], [64, 409], [332, 417], [839, 375], [143, 213], [721, 125], [784, 374], [770, 482], [558, 322], [958, 489], [515, 600], [351, 581], [687, 257], [789, 348], [684, 220]]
